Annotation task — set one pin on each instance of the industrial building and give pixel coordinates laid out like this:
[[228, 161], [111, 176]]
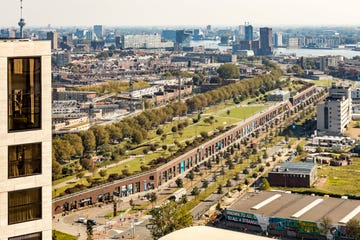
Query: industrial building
[[292, 215], [293, 174]]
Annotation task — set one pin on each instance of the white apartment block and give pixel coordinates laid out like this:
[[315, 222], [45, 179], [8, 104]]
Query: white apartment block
[[25, 140], [146, 41], [334, 114]]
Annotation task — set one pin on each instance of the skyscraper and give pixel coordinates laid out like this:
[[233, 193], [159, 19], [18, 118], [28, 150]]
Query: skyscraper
[[25, 145], [278, 41], [249, 33], [266, 41], [98, 30], [53, 37]]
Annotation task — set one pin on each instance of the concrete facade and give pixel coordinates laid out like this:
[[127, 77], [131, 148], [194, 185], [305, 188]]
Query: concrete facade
[[334, 114], [26, 49]]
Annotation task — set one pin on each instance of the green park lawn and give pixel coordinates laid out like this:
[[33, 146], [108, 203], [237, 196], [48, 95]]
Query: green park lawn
[[341, 180], [63, 236], [242, 112]]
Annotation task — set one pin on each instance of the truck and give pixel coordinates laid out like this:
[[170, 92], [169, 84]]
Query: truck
[[176, 196]]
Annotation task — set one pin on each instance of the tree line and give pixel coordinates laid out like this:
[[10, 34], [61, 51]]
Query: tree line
[[134, 130]]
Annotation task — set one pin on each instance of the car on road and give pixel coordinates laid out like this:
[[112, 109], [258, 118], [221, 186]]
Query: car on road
[[91, 222], [81, 220]]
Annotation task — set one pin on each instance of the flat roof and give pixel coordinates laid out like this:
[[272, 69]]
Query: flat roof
[[294, 167], [298, 206], [209, 233]]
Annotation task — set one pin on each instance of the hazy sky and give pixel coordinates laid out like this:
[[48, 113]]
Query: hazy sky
[[180, 12]]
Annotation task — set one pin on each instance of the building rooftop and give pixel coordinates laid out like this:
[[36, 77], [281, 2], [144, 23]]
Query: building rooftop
[[297, 206], [294, 167], [209, 233]]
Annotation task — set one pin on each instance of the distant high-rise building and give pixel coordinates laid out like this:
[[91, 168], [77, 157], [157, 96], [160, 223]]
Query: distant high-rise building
[[53, 37], [89, 35], [25, 175], [293, 42], [266, 41], [183, 38], [249, 33], [208, 28], [169, 35], [99, 31], [278, 41], [241, 32]]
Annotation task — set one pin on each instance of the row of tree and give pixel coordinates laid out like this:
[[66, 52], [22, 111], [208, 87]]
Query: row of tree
[[135, 129]]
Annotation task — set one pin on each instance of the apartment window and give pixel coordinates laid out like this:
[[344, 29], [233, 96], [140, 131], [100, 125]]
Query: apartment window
[[24, 93], [31, 236], [24, 205], [24, 160]]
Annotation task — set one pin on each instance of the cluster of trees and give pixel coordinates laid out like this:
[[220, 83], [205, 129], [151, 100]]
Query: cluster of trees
[[169, 218], [111, 87], [241, 89], [135, 130]]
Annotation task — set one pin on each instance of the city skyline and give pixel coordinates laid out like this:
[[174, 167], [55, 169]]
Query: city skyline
[[194, 13]]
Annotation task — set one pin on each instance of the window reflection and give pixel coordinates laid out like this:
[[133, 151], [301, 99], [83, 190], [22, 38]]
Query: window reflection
[[24, 205], [24, 90], [32, 236], [24, 160]]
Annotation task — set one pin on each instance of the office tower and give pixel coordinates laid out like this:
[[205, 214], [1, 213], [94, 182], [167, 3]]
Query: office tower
[[278, 41], [183, 38], [249, 33], [99, 32], [53, 37], [25, 145], [169, 35], [241, 33], [266, 41]]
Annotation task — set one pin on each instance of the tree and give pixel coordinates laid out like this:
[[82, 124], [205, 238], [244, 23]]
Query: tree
[[179, 182], [219, 189], [63, 150], [89, 230], [264, 185], [228, 70], [228, 183], [101, 135], [76, 142], [353, 228], [325, 225], [89, 141], [152, 197], [169, 218], [102, 173], [299, 149], [205, 183], [195, 191], [131, 203]]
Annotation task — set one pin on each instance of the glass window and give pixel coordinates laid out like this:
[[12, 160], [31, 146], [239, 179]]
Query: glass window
[[24, 205], [24, 91], [31, 236], [24, 160]]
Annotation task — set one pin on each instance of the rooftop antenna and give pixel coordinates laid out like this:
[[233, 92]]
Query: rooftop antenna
[[21, 23]]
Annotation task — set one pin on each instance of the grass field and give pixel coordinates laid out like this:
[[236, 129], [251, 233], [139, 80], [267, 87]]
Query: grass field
[[63, 236], [343, 179], [242, 112]]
